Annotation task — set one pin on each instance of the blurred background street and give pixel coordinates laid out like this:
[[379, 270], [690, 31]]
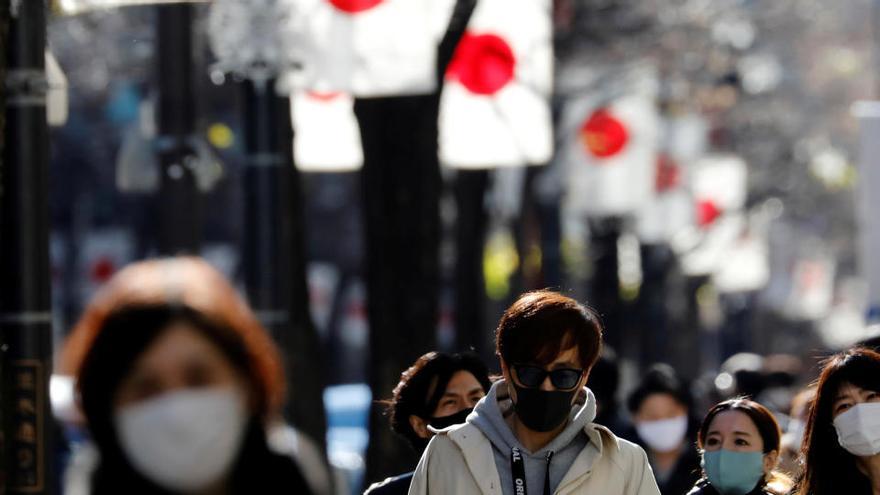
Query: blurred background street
[[383, 178]]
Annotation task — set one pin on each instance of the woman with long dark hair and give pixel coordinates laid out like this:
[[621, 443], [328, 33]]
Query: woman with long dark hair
[[841, 448], [739, 440], [179, 384]]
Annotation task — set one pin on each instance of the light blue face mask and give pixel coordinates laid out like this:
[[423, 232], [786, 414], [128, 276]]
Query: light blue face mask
[[733, 473]]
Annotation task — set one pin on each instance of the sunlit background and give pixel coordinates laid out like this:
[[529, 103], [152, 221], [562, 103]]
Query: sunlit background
[[691, 168]]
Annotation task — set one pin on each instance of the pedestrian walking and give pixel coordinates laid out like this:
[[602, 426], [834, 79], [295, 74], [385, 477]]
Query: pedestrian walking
[[740, 442], [179, 385], [534, 431], [661, 407], [841, 447], [439, 390]]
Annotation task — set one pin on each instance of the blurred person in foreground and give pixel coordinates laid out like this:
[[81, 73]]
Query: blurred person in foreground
[[790, 458], [841, 447], [739, 439], [534, 432], [439, 390], [180, 387], [661, 409]]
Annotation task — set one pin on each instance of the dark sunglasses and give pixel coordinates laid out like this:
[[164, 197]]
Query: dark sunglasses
[[533, 376]]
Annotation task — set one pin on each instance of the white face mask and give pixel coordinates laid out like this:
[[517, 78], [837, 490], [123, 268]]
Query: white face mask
[[858, 429], [184, 440], [664, 435]]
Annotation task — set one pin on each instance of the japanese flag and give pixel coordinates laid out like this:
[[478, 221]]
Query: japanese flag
[[326, 137], [611, 149], [368, 48], [719, 188], [671, 211], [494, 107]]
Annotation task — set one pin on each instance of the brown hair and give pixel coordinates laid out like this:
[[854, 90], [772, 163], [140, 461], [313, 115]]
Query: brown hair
[[155, 293], [768, 428], [543, 323], [828, 467]]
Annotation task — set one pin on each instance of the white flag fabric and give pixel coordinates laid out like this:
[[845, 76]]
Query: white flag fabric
[[367, 48], [494, 110], [719, 185], [720, 233], [610, 148], [672, 209], [326, 137], [745, 265]]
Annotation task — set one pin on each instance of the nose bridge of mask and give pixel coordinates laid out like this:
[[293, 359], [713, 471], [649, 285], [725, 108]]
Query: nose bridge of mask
[[869, 415]]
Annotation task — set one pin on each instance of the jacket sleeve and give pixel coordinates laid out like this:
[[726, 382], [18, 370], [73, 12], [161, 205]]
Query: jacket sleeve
[[642, 480], [442, 470]]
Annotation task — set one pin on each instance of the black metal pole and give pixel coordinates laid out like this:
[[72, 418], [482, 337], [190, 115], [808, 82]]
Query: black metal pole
[[266, 260], [179, 225], [470, 236], [604, 285], [25, 305], [274, 263]]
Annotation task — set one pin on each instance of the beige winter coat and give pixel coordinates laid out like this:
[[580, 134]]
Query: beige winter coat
[[459, 461]]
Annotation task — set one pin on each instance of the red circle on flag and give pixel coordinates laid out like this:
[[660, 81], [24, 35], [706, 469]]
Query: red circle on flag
[[603, 134], [103, 269], [323, 96], [707, 212], [354, 6], [483, 63]]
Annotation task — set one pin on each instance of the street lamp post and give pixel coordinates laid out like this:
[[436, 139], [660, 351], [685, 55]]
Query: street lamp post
[[25, 311]]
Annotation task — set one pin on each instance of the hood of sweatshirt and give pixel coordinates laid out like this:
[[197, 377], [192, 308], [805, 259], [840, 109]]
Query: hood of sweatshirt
[[491, 413], [489, 416]]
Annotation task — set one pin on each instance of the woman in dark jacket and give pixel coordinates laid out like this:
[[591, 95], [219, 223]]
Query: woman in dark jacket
[[179, 384], [739, 440]]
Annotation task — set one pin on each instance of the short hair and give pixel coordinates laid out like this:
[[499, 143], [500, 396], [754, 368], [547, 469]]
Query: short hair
[[828, 468], [422, 385], [135, 308], [660, 379], [541, 324]]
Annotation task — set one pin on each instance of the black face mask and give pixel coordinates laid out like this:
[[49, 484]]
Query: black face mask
[[447, 421], [542, 410]]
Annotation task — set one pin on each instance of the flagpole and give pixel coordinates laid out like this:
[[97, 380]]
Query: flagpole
[[25, 304]]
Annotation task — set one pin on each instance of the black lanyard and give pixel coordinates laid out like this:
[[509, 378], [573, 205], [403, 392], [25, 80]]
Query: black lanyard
[[518, 469]]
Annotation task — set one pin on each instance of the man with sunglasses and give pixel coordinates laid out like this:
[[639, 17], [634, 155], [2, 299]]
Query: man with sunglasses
[[534, 432]]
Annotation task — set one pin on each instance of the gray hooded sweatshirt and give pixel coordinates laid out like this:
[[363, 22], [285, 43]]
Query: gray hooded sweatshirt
[[489, 416]]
